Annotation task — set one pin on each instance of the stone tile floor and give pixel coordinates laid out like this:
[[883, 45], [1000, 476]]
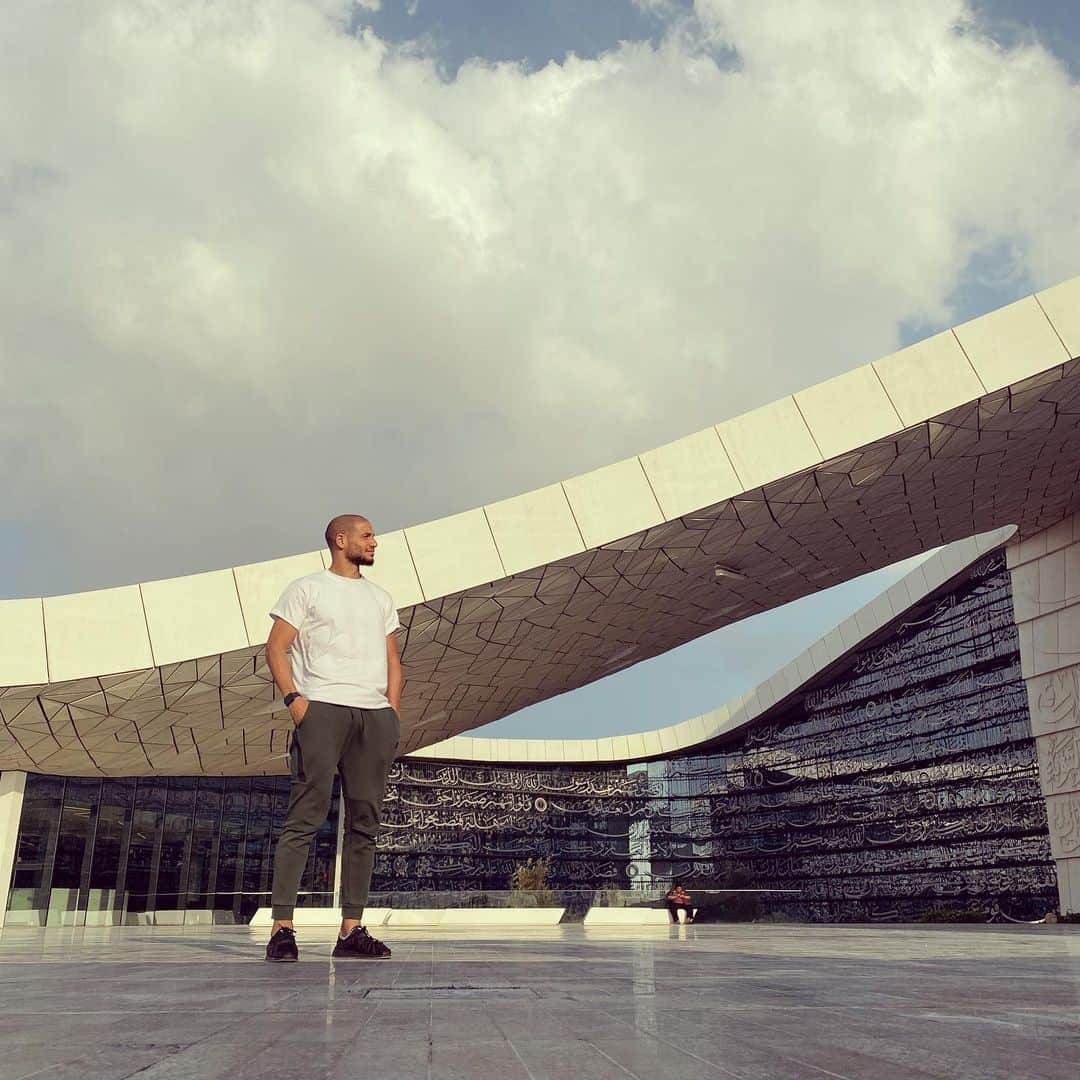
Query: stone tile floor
[[707, 1001]]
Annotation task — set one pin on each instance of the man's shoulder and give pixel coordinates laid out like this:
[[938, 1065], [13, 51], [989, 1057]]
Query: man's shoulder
[[380, 592], [307, 580]]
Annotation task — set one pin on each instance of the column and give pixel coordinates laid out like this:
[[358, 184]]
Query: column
[[1045, 571], [12, 786]]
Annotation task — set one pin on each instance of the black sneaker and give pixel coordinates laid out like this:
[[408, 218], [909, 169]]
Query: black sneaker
[[281, 948], [360, 945]]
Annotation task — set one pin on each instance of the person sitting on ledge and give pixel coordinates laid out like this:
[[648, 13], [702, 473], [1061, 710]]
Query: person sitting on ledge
[[677, 898]]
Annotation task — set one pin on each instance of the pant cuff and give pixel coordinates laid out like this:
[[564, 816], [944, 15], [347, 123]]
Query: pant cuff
[[281, 911], [352, 912]]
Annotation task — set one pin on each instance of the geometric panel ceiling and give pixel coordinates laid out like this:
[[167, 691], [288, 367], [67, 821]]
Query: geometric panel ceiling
[[1010, 456]]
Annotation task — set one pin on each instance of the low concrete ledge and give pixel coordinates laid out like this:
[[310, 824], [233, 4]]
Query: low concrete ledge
[[426, 918], [313, 916], [465, 918], [420, 917], [168, 917], [538, 916], [627, 916]]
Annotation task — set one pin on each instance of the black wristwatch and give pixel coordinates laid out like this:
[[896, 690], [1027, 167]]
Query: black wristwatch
[[290, 698]]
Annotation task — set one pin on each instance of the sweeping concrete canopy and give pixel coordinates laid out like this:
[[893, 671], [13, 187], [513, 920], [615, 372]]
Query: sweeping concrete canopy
[[972, 430]]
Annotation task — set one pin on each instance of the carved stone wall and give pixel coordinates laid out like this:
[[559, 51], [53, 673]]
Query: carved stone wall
[[1045, 572]]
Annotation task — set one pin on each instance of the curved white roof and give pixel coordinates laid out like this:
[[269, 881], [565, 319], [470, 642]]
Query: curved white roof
[[971, 430], [929, 576]]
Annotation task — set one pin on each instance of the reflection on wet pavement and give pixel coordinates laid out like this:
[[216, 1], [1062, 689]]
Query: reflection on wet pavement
[[700, 1001]]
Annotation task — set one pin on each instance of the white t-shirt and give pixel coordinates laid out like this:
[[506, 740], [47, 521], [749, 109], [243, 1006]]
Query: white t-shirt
[[339, 655]]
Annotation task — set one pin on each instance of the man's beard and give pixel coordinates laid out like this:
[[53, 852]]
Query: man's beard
[[366, 560]]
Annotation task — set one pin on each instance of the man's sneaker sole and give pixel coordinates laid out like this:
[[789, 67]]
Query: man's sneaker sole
[[335, 955], [281, 959]]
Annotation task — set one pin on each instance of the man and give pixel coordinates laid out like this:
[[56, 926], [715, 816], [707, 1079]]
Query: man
[[334, 657]]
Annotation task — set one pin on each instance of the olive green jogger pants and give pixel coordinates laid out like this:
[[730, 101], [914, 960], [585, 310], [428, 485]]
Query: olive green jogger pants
[[358, 744]]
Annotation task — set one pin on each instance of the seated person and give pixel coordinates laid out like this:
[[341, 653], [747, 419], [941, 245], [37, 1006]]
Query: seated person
[[677, 898]]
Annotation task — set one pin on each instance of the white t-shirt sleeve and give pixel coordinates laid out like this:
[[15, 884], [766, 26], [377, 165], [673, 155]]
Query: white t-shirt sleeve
[[390, 615], [292, 605]]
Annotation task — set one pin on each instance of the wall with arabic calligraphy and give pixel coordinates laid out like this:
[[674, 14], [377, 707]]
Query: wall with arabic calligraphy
[[905, 779]]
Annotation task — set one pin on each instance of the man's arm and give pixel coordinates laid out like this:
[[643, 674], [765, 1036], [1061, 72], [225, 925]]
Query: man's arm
[[282, 636], [395, 677]]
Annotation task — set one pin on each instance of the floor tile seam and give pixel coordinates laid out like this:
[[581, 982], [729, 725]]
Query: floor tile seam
[[366, 1017], [198, 1042], [398, 970], [510, 1042], [376, 1003], [957, 1044], [902, 1047], [689, 1053], [48, 1068], [521, 1060], [618, 1064], [955, 1056], [149, 1047], [1003, 1040]]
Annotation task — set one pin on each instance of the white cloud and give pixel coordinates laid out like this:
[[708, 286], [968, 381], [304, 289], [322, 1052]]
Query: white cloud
[[258, 270], [658, 8], [341, 9]]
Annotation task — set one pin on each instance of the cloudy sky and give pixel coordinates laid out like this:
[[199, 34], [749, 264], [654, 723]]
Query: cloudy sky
[[267, 260]]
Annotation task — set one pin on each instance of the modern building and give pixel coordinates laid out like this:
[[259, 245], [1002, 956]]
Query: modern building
[[927, 753]]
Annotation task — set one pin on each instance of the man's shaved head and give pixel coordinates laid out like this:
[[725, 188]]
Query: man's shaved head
[[343, 523]]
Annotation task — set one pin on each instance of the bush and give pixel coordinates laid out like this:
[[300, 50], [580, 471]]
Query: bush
[[528, 884], [953, 915]]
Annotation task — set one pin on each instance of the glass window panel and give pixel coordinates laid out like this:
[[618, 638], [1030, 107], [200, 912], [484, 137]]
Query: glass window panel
[[175, 838], [230, 856], [257, 851], [114, 813], [205, 831], [146, 822], [35, 847], [80, 800]]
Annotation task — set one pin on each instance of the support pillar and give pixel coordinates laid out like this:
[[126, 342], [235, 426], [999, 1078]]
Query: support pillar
[[1045, 571], [12, 786]]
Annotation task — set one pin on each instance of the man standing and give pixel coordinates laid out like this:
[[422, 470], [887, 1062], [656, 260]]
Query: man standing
[[334, 657]]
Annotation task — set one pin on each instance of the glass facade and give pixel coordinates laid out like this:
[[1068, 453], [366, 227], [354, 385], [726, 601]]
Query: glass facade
[[904, 779], [113, 851]]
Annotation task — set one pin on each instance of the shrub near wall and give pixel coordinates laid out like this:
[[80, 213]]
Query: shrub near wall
[[953, 915], [529, 884]]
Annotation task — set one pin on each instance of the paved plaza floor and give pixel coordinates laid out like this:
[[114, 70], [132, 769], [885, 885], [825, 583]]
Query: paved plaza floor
[[704, 1001]]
